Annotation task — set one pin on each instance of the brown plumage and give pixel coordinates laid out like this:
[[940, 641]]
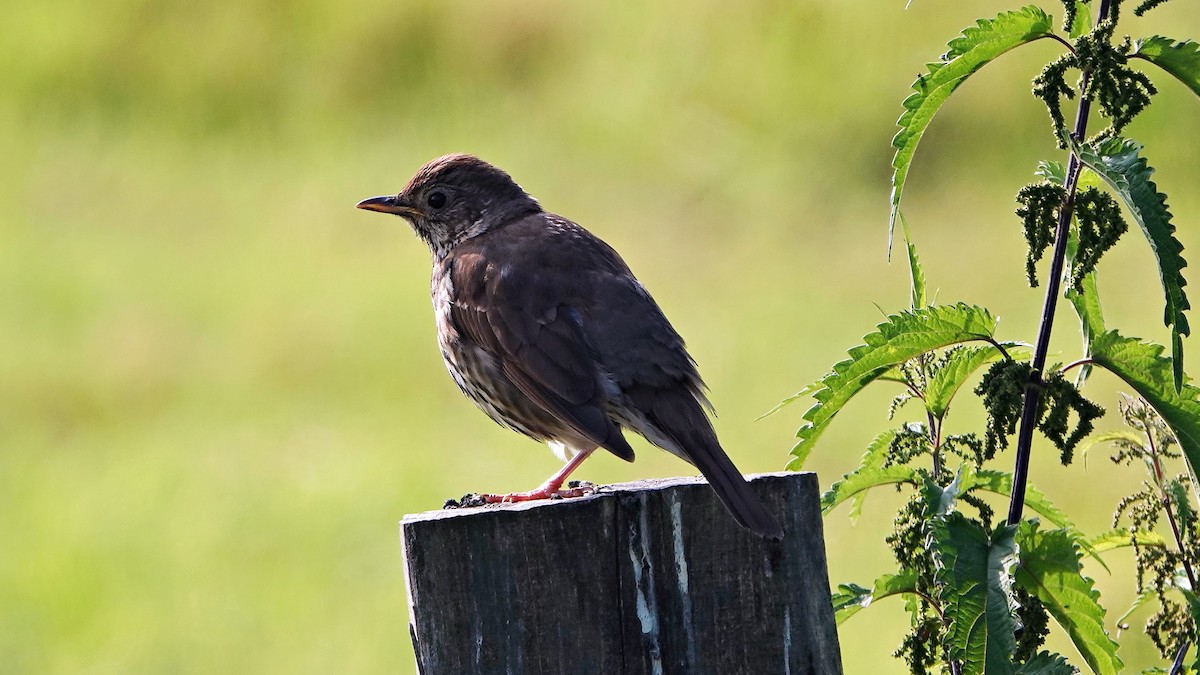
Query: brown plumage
[[544, 327]]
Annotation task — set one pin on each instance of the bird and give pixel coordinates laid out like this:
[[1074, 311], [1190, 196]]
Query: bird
[[545, 328]]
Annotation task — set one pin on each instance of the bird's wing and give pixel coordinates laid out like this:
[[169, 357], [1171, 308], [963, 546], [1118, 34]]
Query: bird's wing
[[516, 317]]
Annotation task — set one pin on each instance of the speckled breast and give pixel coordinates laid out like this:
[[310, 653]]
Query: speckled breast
[[480, 376]]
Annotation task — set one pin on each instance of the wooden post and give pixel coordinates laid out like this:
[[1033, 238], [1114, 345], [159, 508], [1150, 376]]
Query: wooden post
[[645, 578]]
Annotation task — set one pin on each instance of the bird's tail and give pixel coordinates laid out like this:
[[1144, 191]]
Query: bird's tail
[[679, 421]]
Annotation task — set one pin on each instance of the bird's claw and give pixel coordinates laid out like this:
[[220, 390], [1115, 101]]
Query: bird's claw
[[574, 489]]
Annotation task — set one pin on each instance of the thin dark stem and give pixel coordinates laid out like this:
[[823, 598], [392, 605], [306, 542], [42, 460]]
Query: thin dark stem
[[1169, 507], [997, 345], [935, 435], [1074, 364], [1180, 655], [1033, 392], [1070, 47]]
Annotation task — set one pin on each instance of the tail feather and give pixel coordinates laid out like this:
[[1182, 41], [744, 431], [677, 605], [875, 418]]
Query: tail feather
[[682, 428], [733, 490]]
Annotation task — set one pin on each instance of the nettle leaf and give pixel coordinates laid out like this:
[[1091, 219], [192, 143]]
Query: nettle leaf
[[807, 391], [852, 598], [1179, 499], [1181, 59], [1122, 538], [1086, 303], [1149, 373], [903, 336], [916, 274], [1045, 663], [976, 47], [1049, 567], [975, 590], [870, 473], [945, 382], [1193, 605], [1118, 163], [1056, 173], [1082, 22], [939, 500], [1087, 307], [1000, 482]]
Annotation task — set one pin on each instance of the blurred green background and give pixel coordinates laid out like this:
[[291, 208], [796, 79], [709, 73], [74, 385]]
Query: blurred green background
[[219, 387]]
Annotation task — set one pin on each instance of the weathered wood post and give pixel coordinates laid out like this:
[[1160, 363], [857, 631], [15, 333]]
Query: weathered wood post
[[645, 578]]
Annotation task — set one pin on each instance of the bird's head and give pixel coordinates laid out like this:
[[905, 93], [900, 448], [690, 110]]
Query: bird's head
[[454, 198]]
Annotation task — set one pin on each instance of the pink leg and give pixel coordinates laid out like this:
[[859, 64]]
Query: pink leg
[[552, 486]]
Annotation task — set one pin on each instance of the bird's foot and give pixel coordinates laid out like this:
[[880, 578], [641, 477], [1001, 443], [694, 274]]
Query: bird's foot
[[545, 491]]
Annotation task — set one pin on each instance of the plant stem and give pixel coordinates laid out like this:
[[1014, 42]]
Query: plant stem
[[1033, 391], [1169, 506], [1074, 364], [1177, 664]]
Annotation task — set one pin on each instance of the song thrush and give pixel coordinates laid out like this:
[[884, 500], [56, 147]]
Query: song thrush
[[544, 327]]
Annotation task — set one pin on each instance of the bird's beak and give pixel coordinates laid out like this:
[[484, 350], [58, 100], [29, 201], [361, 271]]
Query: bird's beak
[[388, 204]]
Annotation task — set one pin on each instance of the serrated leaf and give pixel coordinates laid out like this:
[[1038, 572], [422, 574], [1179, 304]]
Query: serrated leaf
[[870, 473], [1087, 307], [1083, 20], [1181, 59], [902, 337], [1118, 163], [1114, 436], [945, 382], [1086, 303], [852, 598], [790, 400], [976, 595], [1193, 605], [1045, 663], [1056, 173], [1179, 498], [1194, 610], [1122, 538], [1049, 567], [939, 500], [1000, 482], [874, 457], [916, 274], [1143, 367], [976, 47]]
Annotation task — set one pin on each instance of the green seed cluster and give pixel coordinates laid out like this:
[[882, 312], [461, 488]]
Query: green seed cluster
[[1070, 9], [1061, 400], [1146, 6], [1100, 226], [1038, 211], [1051, 87], [1034, 625], [1003, 391], [1158, 566], [1121, 91]]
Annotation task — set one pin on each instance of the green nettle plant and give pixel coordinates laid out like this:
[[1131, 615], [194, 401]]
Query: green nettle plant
[[983, 591]]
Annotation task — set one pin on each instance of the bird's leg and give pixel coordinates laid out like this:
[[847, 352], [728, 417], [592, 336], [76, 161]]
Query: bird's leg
[[551, 488]]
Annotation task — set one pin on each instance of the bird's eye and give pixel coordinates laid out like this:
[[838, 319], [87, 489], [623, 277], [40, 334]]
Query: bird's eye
[[436, 200]]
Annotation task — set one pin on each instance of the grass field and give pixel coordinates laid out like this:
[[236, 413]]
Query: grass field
[[219, 387]]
